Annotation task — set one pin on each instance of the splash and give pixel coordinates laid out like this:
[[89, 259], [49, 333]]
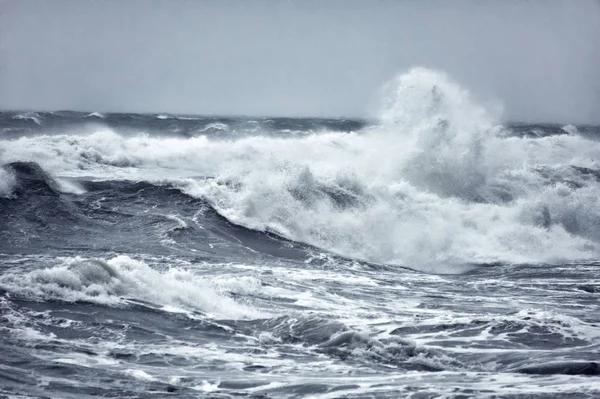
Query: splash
[[435, 183], [7, 183]]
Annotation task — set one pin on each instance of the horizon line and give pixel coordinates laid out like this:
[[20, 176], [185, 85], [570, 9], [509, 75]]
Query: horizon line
[[248, 116]]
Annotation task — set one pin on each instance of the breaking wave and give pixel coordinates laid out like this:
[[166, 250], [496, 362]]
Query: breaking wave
[[436, 182], [120, 280], [29, 116]]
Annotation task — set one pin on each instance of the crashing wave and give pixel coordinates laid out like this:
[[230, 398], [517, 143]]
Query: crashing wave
[[436, 182], [29, 116], [120, 280]]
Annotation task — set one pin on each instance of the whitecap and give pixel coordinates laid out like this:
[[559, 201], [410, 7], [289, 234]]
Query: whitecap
[[95, 115], [119, 280], [29, 116]]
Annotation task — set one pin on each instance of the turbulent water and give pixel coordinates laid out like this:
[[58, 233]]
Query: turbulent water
[[433, 252]]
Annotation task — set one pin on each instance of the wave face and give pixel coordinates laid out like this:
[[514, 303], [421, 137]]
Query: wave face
[[276, 256]]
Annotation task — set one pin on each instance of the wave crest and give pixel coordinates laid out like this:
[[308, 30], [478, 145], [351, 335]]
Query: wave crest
[[119, 280]]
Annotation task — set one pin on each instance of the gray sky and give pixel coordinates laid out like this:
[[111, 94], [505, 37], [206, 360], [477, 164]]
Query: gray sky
[[541, 59]]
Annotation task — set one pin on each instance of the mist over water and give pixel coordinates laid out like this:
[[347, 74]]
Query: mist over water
[[539, 60]]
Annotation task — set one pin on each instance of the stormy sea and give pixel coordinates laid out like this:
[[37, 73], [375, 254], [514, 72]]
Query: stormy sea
[[433, 251]]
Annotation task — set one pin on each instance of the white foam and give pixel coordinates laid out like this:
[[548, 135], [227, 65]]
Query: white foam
[[117, 280], [570, 129], [95, 115], [140, 375], [69, 186], [7, 183], [435, 183], [217, 126], [31, 116], [181, 224]]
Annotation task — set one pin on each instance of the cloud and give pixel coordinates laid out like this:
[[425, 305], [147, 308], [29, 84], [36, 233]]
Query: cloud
[[541, 59]]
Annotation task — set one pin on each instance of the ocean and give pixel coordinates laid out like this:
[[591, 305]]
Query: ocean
[[430, 252]]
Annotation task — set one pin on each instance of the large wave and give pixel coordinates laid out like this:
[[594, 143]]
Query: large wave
[[437, 182]]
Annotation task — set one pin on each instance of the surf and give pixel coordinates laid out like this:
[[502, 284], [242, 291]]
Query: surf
[[435, 183]]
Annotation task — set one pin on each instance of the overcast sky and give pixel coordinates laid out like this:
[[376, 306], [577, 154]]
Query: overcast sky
[[541, 59]]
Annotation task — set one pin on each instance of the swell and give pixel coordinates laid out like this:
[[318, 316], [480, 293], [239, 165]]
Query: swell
[[123, 216]]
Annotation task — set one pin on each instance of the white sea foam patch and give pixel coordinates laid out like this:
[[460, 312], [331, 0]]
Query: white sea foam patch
[[436, 182], [7, 183], [68, 187], [115, 281]]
